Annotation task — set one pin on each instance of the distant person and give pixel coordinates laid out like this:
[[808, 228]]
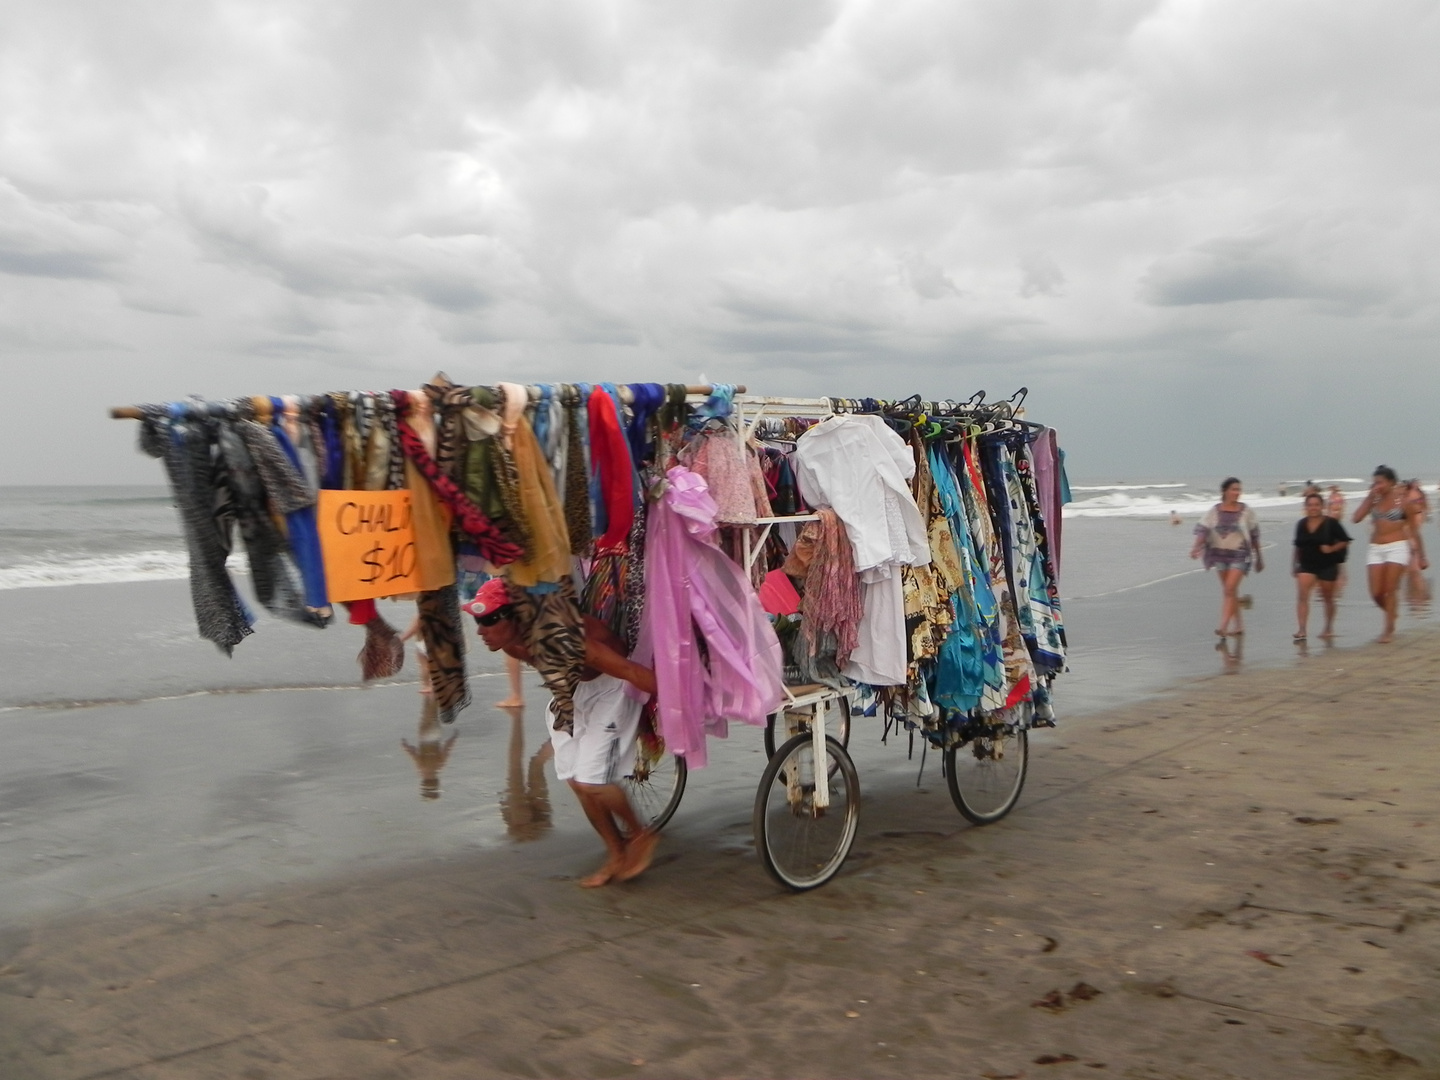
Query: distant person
[[1174, 517], [1228, 537], [1311, 488], [1320, 547], [1394, 540], [1415, 496], [422, 659], [1335, 503]]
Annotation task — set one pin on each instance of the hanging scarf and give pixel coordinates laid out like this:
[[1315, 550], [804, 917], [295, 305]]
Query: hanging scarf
[[833, 603], [284, 486], [577, 496], [488, 539], [512, 403], [645, 400], [632, 582], [554, 630], [378, 445], [383, 654], [184, 448], [549, 559], [717, 406], [273, 574], [610, 462], [440, 629], [352, 451], [449, 402], [300, 524], [395, 459]]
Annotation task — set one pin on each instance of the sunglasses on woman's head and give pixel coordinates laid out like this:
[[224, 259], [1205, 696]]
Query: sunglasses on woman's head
[[490, 618]]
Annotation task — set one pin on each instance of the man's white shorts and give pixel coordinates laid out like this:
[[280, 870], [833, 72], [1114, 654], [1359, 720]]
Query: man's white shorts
[[602, 748], [1397, 553]]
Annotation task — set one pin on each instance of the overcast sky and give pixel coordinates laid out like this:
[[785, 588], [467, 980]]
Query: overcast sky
[[1204, 234]]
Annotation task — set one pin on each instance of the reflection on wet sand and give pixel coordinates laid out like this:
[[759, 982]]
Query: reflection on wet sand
[[525, 802], [1416, 592], [1232, 653], [431, 750]]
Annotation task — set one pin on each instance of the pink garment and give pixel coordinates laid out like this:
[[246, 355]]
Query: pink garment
[[732, 474], [692, 590]]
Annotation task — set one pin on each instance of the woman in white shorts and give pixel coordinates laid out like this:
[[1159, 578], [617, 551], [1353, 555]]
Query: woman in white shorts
[[1395, 539]]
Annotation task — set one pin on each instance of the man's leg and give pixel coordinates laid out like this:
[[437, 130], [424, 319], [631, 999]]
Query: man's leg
[[598, 810]]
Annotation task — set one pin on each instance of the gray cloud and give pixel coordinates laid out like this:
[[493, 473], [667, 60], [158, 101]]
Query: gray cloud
[[238, 196], [1225, 271]]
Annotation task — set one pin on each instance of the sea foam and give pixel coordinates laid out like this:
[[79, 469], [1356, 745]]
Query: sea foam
[[96, 569]]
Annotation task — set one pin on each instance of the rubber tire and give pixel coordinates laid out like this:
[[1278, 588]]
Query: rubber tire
[[1022, 743], [682, 774], [774, 718], [846, 768]]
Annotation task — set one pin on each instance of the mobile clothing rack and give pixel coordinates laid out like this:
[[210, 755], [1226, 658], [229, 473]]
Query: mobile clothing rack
[[806, 809]]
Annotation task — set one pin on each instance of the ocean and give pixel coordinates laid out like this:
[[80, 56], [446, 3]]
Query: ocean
[[66, 536], [1138, 611]]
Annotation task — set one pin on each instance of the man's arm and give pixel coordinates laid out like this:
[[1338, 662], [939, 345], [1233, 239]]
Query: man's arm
[[603, 658], [606, 652]]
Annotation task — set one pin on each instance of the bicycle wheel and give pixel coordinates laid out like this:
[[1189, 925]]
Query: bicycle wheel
[[655, 786], [987, 773], [801, 844], [837, 725]]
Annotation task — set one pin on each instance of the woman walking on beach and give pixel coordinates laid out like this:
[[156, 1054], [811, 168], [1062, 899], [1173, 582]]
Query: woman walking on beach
[[1228, 536], [1395, 539], [1320, 544]]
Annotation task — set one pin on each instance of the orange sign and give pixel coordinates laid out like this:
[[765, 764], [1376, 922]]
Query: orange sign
[[368, 540]]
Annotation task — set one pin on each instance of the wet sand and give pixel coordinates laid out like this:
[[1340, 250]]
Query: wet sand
[[1238, 879]]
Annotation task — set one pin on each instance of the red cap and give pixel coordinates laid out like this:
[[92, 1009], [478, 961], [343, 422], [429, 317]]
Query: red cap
[[493, 595]]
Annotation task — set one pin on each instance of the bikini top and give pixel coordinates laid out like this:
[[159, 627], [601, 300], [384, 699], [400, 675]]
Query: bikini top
[[1394, 514]]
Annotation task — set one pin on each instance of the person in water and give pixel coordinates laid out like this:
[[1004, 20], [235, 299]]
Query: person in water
[[591, 758], [1394, 540], [1319, 549], [1228, 537]]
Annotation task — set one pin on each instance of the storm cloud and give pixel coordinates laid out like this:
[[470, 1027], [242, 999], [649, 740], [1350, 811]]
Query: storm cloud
[[1200, 233]]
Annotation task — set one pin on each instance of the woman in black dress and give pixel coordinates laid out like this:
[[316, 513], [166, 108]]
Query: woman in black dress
[[1320, 543]]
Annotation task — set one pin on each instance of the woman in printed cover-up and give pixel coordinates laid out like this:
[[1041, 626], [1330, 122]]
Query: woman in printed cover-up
[[1228, 537]]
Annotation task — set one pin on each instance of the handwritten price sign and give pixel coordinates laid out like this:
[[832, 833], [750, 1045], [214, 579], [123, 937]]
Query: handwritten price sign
[[368, 540]]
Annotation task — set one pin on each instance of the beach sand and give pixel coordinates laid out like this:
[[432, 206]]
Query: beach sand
[[1240, 878]]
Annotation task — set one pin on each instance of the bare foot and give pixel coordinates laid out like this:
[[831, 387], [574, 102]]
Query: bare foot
[[638, 853], [1328, 635], [1385, 638], [510, 703], [607, 873]]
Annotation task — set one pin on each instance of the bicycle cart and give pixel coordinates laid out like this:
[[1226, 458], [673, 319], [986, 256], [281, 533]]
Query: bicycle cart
[[807, 807]]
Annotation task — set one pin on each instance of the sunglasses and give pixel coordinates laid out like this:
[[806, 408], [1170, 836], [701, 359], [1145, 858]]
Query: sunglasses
[[490, 618]]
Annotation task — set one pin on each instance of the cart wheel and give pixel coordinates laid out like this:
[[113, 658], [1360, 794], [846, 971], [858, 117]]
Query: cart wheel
[[987, 773], [655, 787], [803, 845], [837, 725]]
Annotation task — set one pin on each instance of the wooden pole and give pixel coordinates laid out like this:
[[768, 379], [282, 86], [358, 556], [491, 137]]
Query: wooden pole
[[130, 412]]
